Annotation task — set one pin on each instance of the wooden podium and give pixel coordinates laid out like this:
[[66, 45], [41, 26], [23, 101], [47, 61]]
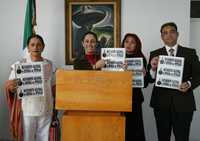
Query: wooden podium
[[93, 102]]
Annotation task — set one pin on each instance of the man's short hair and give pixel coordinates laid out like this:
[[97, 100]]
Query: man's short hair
[[168, 24]]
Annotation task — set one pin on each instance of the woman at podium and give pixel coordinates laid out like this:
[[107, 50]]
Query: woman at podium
[[134, 119], [90, 59]]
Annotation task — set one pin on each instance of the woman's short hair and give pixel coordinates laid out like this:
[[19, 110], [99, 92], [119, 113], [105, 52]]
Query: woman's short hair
[[36, 36], [89, 32]]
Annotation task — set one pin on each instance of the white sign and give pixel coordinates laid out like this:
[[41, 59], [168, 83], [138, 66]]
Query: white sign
[[30, 78], [136, 66], [169, 72], [114, 58]]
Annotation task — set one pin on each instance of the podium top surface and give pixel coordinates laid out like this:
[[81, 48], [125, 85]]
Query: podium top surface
[[93, 90]]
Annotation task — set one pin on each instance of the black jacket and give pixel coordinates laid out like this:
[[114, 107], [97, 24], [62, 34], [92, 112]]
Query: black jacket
[[138, 97], [82, 63], [164, 98]]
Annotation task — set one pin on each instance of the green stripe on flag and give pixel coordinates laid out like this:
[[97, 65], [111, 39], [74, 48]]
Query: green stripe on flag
[[28, 26]]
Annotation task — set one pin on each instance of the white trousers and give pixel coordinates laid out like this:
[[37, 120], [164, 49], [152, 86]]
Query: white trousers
[[36, 128]]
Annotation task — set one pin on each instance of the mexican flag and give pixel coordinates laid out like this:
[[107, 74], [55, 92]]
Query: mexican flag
[[30, 21]]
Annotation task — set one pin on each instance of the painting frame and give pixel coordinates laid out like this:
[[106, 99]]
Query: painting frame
[[73, 43]]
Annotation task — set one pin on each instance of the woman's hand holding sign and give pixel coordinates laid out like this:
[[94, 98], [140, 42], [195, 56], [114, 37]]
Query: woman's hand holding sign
[[154, 63]]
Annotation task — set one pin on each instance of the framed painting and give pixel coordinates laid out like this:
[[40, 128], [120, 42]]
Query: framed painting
[[102, 17]]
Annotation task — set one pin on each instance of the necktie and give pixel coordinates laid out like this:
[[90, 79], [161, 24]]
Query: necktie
[[171, 52]]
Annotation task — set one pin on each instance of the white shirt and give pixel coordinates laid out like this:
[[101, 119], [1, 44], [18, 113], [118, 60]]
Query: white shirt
[[174, 47], [42, 105]]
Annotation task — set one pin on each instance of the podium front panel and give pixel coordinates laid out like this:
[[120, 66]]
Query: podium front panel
[[93, 90], [93, 127]]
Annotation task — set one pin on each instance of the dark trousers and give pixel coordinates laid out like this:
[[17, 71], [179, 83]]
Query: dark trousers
[[178, 122], [134, 124]]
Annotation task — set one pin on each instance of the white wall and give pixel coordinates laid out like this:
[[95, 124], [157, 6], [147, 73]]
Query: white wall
[[194, 43], [139, 16], [11, 16]]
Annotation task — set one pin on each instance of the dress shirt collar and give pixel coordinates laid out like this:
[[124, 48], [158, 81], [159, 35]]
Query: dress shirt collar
[[174, 47]]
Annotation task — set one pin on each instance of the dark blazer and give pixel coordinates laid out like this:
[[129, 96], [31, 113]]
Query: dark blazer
[[82, 63], [164, 98], [138, 97]]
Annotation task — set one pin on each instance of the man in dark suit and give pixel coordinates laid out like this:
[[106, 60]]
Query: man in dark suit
[[173, 109]]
